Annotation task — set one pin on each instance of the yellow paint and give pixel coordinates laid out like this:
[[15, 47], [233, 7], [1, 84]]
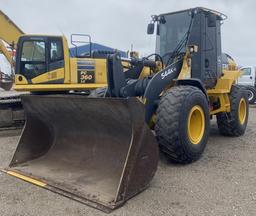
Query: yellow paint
[[242, 112], [225, 82], [73, 69], [6, 53], [9, 31], [159, 66], [223, 100], [145, 72], [101, 71], [67, 70], [58, 87], [18, 82], [232, 65], [196, 124], [222, 89], [49, 76], [27, 179], [185, 72]]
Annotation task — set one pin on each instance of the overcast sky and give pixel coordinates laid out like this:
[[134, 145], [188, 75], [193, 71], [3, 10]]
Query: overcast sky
[[119, 23]]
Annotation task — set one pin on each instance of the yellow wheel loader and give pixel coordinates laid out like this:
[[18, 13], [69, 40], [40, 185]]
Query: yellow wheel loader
[[101, 150]]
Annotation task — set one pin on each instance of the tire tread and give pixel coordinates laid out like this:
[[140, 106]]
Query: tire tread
[[168, 113]]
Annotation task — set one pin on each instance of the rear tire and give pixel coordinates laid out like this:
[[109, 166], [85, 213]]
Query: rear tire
[[234, 123], [179, 109], [251, 94]]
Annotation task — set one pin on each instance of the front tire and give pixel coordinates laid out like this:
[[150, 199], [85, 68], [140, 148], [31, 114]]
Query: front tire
[[234, 123], [183, 123]]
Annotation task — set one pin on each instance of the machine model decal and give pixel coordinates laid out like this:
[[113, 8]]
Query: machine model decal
[[168, 72], [86, 71]]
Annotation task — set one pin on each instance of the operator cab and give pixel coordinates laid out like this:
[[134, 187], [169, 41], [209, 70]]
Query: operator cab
[[194, 27], [38, 54]]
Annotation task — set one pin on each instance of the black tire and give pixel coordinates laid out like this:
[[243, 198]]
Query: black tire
[[229, 123], [172, 123], [251, 91], [99, 92]]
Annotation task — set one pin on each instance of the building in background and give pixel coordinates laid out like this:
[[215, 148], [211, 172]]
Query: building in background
[[85, 49]]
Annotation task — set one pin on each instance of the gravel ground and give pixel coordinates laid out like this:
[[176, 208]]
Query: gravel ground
[[223, 182], [10, 93]]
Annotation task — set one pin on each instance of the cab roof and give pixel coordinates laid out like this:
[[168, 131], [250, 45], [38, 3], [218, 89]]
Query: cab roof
[[221, 16]]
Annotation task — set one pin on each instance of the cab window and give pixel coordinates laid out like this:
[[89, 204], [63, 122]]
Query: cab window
[[33, 51], [56, 51], [33, 59], [246, 71]]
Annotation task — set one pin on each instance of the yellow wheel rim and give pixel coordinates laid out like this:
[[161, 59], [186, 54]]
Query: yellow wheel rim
[[196, 124], [242, 112]]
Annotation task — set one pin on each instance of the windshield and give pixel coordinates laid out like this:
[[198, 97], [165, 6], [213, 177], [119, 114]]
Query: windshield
[[33, 51], [33, 59], [172, 31]]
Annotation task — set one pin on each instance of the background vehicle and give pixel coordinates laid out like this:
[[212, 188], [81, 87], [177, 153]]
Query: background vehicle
[[248, 80], [9, 34], [100, 150], [11, 111], [44, 64]]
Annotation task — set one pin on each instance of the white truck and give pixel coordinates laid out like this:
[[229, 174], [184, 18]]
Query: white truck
[[248, 79]]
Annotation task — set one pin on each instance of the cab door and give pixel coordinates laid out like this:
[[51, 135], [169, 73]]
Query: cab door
[[56, 72], [31, 60]]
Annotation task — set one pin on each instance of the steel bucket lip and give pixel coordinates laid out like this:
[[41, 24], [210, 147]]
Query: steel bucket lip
[[55, 189], [76, 96]]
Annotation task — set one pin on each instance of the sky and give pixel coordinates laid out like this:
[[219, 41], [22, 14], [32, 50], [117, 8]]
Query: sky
[[119, 23]]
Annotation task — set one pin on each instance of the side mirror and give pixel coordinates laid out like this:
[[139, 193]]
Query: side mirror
[[151, 28], [212, 20]]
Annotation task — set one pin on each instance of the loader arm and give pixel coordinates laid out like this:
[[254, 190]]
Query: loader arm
[[149, 88]]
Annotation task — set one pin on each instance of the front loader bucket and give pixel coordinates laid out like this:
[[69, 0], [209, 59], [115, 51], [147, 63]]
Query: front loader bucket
[[98, 151]]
